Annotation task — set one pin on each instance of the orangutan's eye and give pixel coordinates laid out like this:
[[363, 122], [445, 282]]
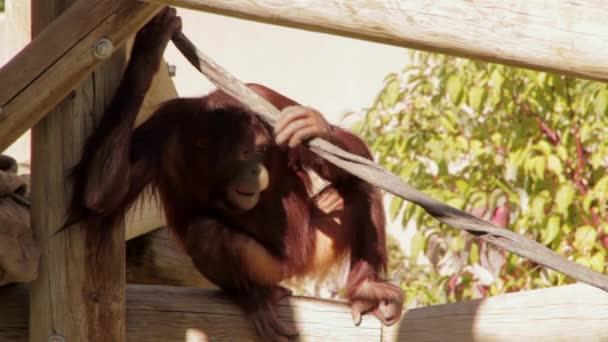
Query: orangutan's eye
[[261, 149]]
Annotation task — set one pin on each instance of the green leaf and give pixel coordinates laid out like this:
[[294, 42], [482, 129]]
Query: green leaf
[[567, 228], [474, 253], [462, 143], [418, 242], [583, 260], [543, 147], [564, 197], [552, 230], [538, 208], [554, 164], [540, 164], [391, 94], [445, 123], [598, 262], [454, 87], [585, 237], [601, 102], [396, 204], [456, 202], [601, 187], [476, 97], [562, 152]]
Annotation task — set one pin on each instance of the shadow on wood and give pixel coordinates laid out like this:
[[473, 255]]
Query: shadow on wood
[[164, 313], [157, 259]]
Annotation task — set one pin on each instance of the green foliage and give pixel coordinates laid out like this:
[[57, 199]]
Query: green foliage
[[1, 5], [526, 150]]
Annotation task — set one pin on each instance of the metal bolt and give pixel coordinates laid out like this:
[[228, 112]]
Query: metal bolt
[[56, 338], [172, 69], [103, 49]]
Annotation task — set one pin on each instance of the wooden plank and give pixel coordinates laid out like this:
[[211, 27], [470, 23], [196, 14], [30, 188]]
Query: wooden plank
[[166, 313], [80, 292], [570, 313], [157, 259], [49, 68], [568, 37]]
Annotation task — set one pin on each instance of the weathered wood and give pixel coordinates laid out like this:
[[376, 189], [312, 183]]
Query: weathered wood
[[165, 313], [161, 313], [567, 313], [157, 259], [568, 37], [42, 74], [80, 292]]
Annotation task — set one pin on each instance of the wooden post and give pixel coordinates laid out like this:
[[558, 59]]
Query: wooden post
[[568, 37], [80, 293]]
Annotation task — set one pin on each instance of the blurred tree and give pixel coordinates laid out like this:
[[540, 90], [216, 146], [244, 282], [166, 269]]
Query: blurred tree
[[526, 150]]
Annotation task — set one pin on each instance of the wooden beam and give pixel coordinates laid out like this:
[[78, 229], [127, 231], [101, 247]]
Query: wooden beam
[[80, 292], [178, 314], [47, 70], [568, 37], [576, 313], [157, 259], [568, 313]]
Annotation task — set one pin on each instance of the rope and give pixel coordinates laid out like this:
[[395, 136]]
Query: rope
[[384, 179]]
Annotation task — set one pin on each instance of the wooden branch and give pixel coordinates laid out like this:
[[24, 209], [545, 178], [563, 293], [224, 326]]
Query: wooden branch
[[47, 70], [157, 259], [567, 313], [382, 178], [567, 37]]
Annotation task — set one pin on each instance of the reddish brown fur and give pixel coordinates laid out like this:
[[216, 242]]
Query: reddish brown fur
[[185, 151]]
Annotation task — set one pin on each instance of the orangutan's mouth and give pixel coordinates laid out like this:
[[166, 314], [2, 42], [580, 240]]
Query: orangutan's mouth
[[244, 193]]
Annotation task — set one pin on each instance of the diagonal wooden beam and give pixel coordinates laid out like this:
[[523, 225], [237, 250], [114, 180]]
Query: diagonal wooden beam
[[568, 37], [40, 76]]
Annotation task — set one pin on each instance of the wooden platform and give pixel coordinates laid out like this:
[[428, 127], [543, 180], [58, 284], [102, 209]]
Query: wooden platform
[[166, 313]]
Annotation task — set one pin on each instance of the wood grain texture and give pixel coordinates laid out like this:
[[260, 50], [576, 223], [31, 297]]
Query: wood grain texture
[[157, 259], [49, 68], [163, 313], [80, 292], [573, 313], [568, 37]]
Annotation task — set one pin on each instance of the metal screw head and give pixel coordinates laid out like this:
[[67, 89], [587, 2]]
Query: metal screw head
[[56, 338], [103, 49], [172, 69]]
